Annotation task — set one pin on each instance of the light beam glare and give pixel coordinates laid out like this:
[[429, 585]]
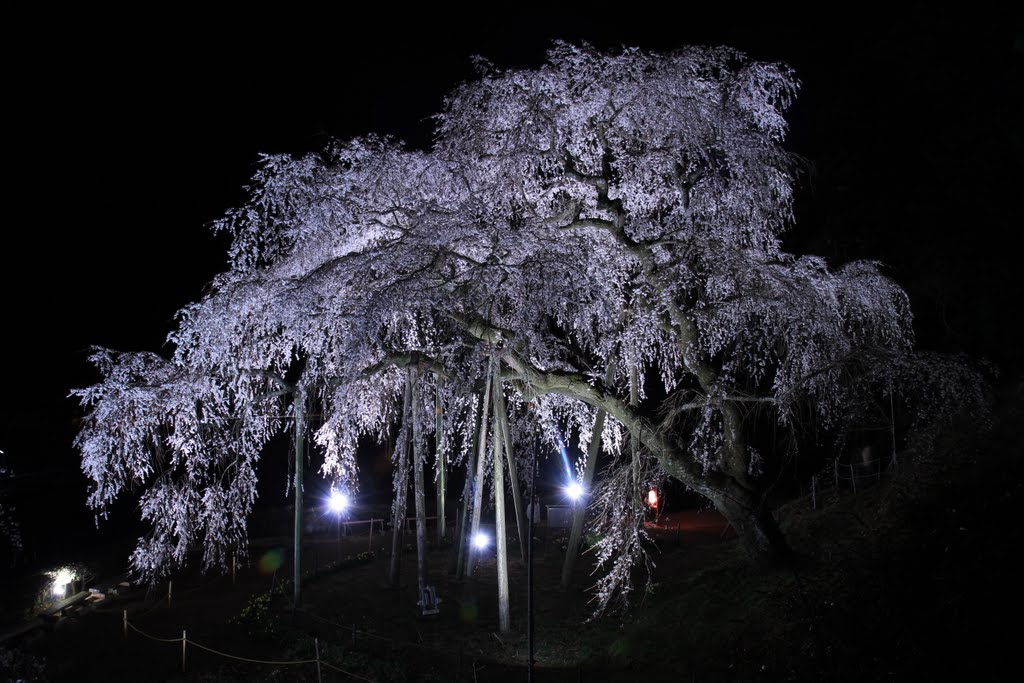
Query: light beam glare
[[338, 501], [565, 456]]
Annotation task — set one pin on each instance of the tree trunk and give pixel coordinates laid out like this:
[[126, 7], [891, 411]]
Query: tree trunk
[[728, 488], [420, 494], [755, 526], [741, 503], [500, 534], [501, 422], [401, 489], [439, 459], [300, 438], [478, 485]]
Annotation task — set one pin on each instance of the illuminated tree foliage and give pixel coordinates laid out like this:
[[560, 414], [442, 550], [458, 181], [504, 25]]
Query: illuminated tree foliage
[[10, 530], [594, 225]]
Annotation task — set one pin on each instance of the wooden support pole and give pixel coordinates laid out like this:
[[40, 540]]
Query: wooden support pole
[[316, 649], [478, 484], [401, 490], [298, 406], [579, 510], [500, 534], [501, 424], [419, 462], [184, 643], [439, 455]]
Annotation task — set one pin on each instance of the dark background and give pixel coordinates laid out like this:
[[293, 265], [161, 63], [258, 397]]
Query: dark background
[[124, 144]]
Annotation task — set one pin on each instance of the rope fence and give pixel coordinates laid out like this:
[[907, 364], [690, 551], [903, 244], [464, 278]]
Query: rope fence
[[186, 641], [396, 644], [392, 641], [852, 472]]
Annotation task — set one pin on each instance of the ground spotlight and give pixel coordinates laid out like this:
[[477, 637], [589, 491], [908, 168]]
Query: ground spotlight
[[61, 579], [480, 541], [574, 491], [338, 501]]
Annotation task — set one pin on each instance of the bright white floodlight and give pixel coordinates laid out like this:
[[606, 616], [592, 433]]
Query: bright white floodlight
[[480, 541], [338, 501], [574, 491], [60, 582]]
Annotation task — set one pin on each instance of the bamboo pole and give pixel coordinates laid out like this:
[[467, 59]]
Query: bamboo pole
[[420, 494], [579, 510], [300, 438], [500, 536], [463, 518], [401, 491], [439, 456], [501, 421], [467, 492], [634, 436], [478, 489], [529, 568]]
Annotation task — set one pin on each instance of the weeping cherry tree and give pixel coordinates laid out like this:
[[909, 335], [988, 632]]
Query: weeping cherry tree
[[595, 232]]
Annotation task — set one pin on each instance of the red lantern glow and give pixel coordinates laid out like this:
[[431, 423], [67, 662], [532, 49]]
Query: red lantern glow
[[652, 498]]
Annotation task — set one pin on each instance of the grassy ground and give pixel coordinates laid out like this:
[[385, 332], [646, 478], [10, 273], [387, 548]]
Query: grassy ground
[[910, 579]]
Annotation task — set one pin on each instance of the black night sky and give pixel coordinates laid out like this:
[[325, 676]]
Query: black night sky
[[128, 143]]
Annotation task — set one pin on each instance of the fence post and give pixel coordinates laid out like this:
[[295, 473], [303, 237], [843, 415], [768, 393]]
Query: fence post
[[125, 624], [853, 478], [836, 468], [353, 636], [184, 640], [370, 549], [316, 646], [170, 586], [814, 492], [892, 422], [234, 567]]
